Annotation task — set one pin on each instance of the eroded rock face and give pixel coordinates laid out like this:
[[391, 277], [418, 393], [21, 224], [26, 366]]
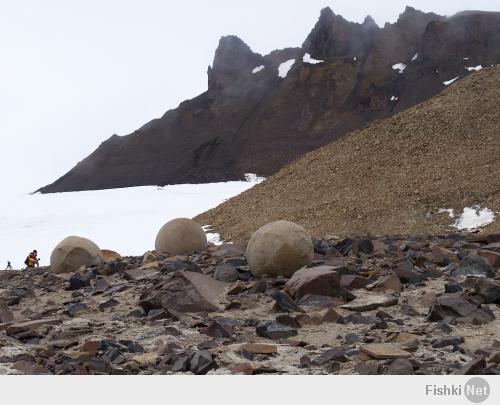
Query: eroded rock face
[[181, 236], [74, 252], [279, 248]]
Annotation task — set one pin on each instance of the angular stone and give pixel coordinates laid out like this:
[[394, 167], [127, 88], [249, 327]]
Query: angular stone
[[389, 282], [473, 265], [259, 348], [448, 341], [185, 291], [473, 367], [407, 273], [353, 282], [275, 331], [370, 302], [20, 327], [226, 273], [6, 314], [333, 354], [76, 309], [138, 275], [488, 290], [77, 281], [452, 306], [201, 362], [492, 257], [284, 302], [323, 280], [108, 304], [383, 351], [400, 367]]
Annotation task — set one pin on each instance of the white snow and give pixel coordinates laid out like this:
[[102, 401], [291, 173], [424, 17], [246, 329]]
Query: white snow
[[400, 67], [466, 58], [474, 217], [253, 178], [414, 58], [354, 59], [448, 82], [307, 59], [125, 220], [212, 237], [394, 98], [474, 68], [285, 67], [258, 69], [450, 212]]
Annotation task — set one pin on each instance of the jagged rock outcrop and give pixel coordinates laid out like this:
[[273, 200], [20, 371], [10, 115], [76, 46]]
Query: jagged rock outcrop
[[252, 120]]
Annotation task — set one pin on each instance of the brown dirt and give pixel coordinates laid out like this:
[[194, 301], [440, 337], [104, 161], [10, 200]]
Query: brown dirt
[[390, 177]]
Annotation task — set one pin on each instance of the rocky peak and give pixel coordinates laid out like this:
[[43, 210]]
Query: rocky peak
[[233, 59], [333, 36]]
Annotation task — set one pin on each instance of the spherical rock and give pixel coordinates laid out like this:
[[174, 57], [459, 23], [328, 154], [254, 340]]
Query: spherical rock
[[181, 236], [279, 248], [72, 253]]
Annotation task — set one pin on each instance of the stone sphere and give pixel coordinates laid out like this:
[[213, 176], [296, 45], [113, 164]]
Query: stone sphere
[[279, 249], [74, 252], [181, 236]]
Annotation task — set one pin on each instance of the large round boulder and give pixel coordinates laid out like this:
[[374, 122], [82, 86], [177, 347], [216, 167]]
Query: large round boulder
[[74, 252], [279, 248], [181, 236]]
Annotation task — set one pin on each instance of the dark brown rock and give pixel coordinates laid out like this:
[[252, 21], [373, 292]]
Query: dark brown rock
[[185, 292]]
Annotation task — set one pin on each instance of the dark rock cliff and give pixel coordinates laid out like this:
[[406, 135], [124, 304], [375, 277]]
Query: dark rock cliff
[[252, 121]]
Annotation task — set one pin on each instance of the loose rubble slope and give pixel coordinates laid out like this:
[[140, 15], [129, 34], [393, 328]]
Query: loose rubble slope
[[393, 176]]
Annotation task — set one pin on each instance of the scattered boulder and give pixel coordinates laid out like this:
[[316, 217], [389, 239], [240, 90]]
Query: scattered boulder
[[284, 302], [454, 307], [185, 291], [488, 290], [74, 252], [259, 348], [279, 248], [472, 265], [181, 236], [323, 280]]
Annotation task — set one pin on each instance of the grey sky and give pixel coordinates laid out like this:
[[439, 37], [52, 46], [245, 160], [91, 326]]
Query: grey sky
[[72, 73]]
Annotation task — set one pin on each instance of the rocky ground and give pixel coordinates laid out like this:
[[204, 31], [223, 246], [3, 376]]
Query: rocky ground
[[387, 305]]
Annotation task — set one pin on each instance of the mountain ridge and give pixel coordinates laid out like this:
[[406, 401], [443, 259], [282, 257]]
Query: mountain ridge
[[258, 122]]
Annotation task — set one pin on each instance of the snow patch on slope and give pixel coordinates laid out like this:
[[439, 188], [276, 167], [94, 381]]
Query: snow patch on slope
[[285, 67], [474, 217], [258, 69], [448, 82], [474, 68], [307, 59], [400, 67]]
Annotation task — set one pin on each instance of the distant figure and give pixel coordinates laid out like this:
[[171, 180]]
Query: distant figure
[[9, 266], [32, 260]]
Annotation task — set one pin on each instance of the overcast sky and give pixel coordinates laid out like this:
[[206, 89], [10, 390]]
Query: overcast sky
[[74, 72]]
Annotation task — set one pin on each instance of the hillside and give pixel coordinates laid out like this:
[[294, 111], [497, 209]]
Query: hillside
[[392, 176], [262, 112]]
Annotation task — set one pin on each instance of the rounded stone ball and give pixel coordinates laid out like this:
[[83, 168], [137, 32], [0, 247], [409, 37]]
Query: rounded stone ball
[[74, 252], [279, 249], [181, 236]]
